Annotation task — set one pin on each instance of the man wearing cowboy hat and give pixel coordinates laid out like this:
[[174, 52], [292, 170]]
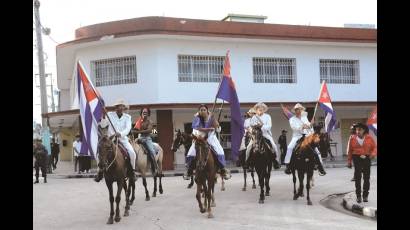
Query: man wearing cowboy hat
[[362, 149], [40, 154], [301, 127], [247, 126], [261, 118], [122, 124]]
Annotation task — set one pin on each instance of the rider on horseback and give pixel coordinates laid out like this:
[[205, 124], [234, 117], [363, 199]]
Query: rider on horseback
[[204, 124], [144, 127], [248, 129], [263, 120], [301, 127], [122, 125]]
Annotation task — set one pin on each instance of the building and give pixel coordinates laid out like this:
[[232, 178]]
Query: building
[[174, 64]]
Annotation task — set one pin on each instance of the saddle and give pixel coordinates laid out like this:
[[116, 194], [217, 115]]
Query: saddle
[[145, 150]]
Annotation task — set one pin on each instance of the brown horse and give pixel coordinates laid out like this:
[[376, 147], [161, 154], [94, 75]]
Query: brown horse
[[115, 170], [142, 165], [205, 174], [304, 163]]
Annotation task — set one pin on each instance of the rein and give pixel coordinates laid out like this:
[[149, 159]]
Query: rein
[[116, 153]]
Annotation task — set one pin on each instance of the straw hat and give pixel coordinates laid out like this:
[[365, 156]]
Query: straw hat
[[121, 102], [298, 106], [261, 105], [251, 110]]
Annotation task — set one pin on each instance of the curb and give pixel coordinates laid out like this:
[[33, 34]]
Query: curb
[[352, 205]]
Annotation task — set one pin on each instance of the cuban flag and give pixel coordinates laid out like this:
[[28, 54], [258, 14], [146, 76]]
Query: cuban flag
[[372, 121], [288, 114], [227, 92], [326, 105], [91, 111]]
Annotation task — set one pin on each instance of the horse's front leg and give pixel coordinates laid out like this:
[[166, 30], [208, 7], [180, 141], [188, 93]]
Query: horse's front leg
[[117, 201], [244, 179], [144, 182], [132, 187], [192, 182], [111, 199], [211, 184], [267, 178], [154, 193], [253, 180], [301, 177], [295, 195], [160, 184], [309, 177], [127, 192], [198, 197], [223, 184], [261, 185]]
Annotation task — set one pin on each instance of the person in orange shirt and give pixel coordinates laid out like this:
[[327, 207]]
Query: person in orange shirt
[[362, 149]]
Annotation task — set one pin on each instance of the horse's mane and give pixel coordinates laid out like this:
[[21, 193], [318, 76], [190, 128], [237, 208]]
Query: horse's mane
[[307, 141]]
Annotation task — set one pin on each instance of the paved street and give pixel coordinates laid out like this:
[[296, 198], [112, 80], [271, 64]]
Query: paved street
[[83, 204]]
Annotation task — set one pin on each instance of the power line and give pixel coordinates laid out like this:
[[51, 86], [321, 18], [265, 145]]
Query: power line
[[44, 29]]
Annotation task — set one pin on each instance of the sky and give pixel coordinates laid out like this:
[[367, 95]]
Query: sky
[[64, 17]]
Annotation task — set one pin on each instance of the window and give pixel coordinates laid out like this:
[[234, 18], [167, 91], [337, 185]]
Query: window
[[274, 70], [114, 71], [339, 71], [200, 68]]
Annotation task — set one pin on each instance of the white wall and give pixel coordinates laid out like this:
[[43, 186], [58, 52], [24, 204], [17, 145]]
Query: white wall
[[157, 71]]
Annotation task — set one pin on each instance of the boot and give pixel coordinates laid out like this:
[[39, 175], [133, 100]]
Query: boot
[[288, 170], [36, 182], [359, 199], [365, 196], [225, 174], [99, 176], [190, 172]]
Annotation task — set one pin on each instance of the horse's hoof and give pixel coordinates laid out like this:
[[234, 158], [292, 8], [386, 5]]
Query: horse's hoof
[[254, 186], [210, 215], [117, 219], [261, 201], [301, 195], [267, 194], [213, 204], [295, 197], [161, 191], [202, 210], [110, 221], [126, 213], [131, 202], [244, 189], [309, 202], [154, 195], [147, 198], [190, 185]]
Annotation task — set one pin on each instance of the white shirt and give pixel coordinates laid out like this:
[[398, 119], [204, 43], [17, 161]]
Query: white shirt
[[76, 147], [122, 125], [266, 124], [360, 140], [297, 126]]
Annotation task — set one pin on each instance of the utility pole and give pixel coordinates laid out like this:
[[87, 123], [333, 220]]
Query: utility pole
[[53, 109], [43, 91]]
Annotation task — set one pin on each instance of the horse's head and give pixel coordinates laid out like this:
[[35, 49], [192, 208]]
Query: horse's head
[[201, 148], [105, 147], [257, 137], [178, 141]]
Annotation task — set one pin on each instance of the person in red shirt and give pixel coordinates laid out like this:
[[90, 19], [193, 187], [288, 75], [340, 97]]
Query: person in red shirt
[[362, 149]]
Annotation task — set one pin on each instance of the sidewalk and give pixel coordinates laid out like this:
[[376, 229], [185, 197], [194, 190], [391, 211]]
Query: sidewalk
[[65, 169]]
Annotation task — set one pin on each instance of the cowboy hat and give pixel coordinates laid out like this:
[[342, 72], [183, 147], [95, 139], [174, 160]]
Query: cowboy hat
[[261, 104], [120, 102], [251, 110], [298, 106]]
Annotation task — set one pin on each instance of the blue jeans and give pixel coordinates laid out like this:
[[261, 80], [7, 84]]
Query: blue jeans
[[147, 142]]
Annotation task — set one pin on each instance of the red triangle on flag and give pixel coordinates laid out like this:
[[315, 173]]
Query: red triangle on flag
[[373, 117], [324, 94]]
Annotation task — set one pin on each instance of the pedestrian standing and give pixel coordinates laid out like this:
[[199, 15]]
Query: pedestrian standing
[[76, 151], [283, 146]]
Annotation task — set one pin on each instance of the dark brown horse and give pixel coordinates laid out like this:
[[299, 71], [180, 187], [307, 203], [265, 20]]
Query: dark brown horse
[[114, 167], [184, 139], [205, 174], [251, 165], [304, 163], [263, 158]]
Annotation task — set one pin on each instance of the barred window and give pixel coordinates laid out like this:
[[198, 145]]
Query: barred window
[[114, 71], [339, 71], [200, 68], [274, 70]]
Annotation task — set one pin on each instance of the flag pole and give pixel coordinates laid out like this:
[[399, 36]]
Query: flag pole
[[317, 102], [220, 111], [219, 86]]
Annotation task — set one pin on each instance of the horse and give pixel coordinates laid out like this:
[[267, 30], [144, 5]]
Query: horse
[[205, 173], [263, 158], [251, 166], [141, 163], [113, 164], [185, 140], [304, 163]]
